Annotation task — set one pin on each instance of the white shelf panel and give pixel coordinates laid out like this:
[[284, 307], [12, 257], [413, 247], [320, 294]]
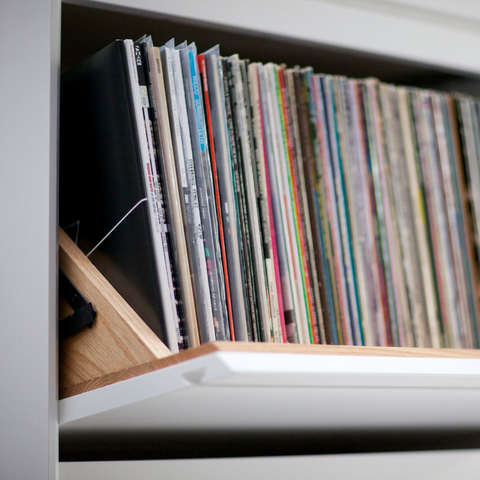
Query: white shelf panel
[[461, 9], [394, 466], [414, 33], [270, 391]]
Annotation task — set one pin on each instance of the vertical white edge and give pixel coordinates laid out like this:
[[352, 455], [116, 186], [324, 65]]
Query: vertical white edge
[[30, 66]]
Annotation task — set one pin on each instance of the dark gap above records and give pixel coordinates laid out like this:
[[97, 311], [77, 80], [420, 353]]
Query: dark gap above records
[[87, 30]]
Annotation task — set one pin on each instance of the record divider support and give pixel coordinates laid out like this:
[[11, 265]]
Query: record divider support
[[120, 345], [118, 340]]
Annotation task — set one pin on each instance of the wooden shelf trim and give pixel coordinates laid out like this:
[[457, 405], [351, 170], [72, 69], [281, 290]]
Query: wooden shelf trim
[[121, 346], [240, 347]]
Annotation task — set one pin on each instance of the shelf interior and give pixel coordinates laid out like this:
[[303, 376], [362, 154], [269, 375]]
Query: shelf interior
[[86, 30]]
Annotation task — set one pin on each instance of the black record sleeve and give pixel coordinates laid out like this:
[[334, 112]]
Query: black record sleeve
[[101, 180]]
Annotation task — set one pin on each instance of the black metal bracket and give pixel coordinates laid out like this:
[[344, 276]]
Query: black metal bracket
[[84, 313]]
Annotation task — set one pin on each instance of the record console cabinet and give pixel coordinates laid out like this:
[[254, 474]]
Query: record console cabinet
[[275, 411]]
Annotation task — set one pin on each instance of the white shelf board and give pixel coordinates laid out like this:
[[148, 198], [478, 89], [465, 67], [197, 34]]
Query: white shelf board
[[425, 33], [394, 466], [287, 392]]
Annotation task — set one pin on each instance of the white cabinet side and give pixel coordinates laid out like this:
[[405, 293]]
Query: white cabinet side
[[29, 59]]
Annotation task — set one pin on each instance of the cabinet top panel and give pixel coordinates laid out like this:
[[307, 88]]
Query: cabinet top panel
[[439, 34]]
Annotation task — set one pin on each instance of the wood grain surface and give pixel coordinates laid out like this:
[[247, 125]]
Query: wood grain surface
[[292, 349], [119, 338]]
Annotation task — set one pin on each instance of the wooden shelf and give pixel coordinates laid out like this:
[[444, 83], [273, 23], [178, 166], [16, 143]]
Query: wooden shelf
[[221, 389], [121, 347], [271, 349], [118, 377]]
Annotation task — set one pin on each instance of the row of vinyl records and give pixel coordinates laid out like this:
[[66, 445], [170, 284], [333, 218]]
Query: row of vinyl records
[[289, 206]]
